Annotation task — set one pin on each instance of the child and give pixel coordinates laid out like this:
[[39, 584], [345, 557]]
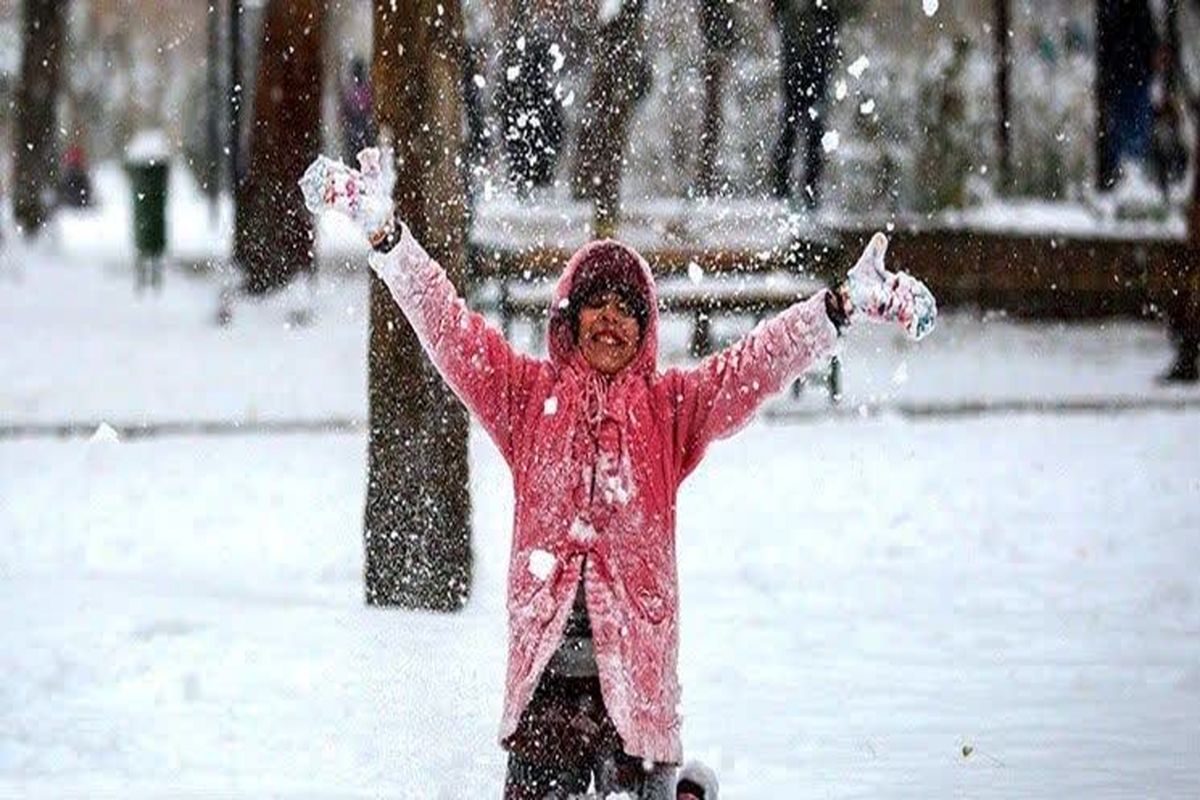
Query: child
[[598, 441]]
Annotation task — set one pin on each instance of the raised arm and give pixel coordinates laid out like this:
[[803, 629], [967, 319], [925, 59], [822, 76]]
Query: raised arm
[[481, 367], [718, 396], [474, 358], [721, 394]]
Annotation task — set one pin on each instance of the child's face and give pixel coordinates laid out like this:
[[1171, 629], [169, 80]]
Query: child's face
[[608, 333]]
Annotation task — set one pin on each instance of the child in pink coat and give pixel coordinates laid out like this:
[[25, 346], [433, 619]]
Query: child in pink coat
[[598, 440]]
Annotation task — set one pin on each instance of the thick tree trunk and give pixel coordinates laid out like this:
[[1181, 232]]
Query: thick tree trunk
[[1183, 307], [621, 78], [1189, 337], [43, 32], [418, 514], [273, 238]]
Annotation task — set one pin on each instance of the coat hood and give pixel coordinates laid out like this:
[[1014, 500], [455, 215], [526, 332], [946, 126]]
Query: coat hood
[[622, 262]]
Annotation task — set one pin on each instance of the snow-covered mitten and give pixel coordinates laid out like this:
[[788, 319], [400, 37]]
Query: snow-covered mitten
[[696, 781], [364, 195], [884, 296]]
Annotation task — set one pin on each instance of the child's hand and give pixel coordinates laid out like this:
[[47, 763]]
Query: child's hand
[[883, 296], [364, 196]]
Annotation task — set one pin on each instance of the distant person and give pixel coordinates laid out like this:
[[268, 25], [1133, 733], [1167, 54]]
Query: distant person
[[1127, 46], [1168, 153], [75, 186], [357, 111], [808, 51], [1183, 323]]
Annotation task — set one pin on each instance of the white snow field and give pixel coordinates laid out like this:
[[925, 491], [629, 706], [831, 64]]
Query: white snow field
[[989, 606], [860, 600]]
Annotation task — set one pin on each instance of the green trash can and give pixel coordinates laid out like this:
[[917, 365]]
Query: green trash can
[[149, 183], [148, 165]]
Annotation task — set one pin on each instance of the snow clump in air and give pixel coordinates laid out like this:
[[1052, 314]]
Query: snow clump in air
[[609, 11], [859, 67]]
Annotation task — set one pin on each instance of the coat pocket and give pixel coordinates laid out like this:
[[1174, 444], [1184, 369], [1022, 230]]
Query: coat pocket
[[651, 596]]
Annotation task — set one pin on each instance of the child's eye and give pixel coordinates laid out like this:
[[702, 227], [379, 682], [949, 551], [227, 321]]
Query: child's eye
[[600, 301]]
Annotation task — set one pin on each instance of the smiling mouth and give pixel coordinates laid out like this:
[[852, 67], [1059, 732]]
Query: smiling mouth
[[609, 338]]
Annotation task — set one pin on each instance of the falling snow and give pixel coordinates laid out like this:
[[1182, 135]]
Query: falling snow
[[194, 555]]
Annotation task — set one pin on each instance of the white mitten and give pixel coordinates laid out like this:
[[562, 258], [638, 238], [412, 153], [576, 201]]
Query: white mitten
[[365, 196], [883, 296]]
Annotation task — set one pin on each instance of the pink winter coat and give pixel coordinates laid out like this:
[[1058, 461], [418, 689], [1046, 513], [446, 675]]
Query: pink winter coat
[[596, 465]]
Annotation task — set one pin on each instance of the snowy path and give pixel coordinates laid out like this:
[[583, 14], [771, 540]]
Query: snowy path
[[183, 616]]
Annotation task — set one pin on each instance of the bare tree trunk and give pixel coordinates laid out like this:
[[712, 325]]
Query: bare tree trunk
[[43, 32], [273, 238], [716, 23], [235, 14], [1183, 306], [1003, 24], [418, 513], [621, 79], [1189, 337]]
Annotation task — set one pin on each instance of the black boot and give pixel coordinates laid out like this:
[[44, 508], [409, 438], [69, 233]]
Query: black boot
[[1186, 368]]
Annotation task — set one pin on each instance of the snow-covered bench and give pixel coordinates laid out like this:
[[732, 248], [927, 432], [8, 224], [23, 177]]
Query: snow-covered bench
[[699, 294], [710, 257]]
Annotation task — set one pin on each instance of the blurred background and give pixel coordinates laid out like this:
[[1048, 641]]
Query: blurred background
[[959, 567]]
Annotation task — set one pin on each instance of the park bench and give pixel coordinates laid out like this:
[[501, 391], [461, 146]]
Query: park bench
[[709, 260]]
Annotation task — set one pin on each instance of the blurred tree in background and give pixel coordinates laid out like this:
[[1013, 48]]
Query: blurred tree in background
[[621, 79], [717, 26], [43, 26], [273, 238]]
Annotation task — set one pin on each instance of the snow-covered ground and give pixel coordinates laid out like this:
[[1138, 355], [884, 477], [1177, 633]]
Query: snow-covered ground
[[862, 599]]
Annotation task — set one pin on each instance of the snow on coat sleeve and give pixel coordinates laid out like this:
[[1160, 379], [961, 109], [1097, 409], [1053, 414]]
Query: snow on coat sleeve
[[720, 395], [472, 356]]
